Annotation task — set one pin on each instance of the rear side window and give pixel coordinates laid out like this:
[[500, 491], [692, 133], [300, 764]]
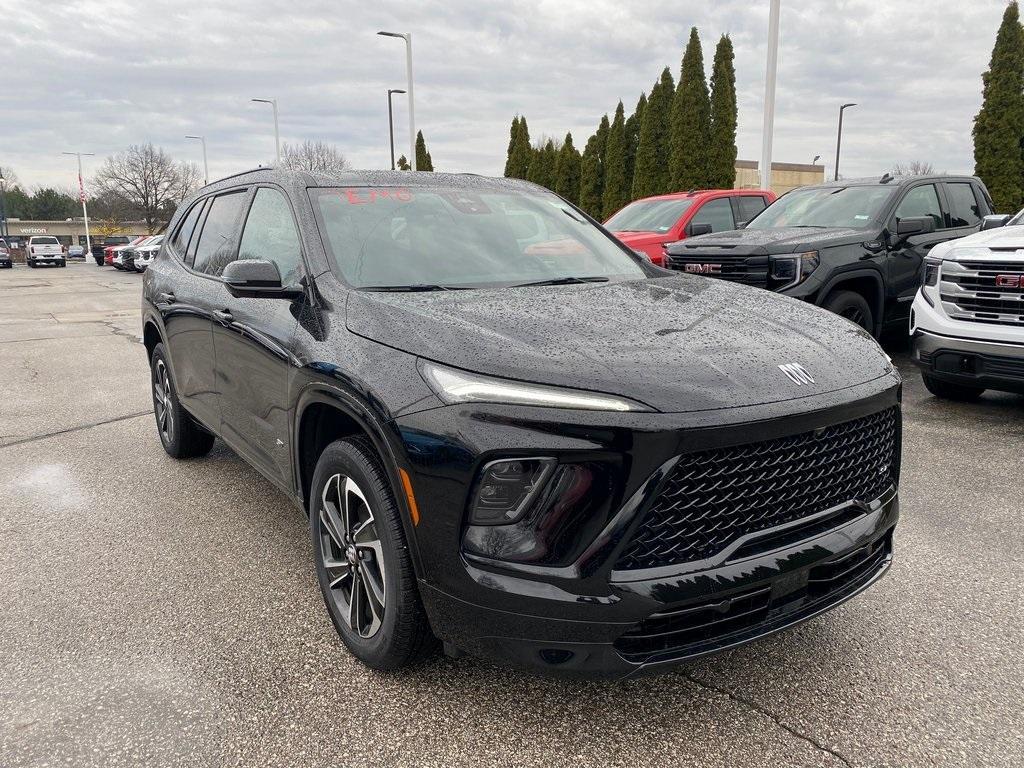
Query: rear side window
[[216, 248], [748, 206], [964, 210], [919, 202], [717, 213], [44, 241], [186, 228], [270, 234]]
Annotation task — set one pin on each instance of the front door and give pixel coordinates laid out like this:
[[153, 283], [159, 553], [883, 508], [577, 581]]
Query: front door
[[905, 263], [253, 338]]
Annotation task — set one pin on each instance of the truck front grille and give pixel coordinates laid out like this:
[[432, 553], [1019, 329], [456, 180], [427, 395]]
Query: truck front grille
[[749, 270], [715, 497], [983, 291]]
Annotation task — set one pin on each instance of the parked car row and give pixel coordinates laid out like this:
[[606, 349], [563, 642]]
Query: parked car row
[[5, 255], [132, 256]]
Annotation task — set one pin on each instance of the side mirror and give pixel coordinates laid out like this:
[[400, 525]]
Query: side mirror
[[256, 279], [994, 222], [915, 225], [693, 230]]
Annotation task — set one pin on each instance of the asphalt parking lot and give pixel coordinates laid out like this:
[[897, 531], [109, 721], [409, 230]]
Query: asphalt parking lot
[[166, 613]]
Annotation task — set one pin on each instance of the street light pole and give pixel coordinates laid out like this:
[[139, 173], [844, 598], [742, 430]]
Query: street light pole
[[391, 124], [768, 128], [277, 133], [407, 36], [81, 196], [839, 137], [3, 207], [206, 168]]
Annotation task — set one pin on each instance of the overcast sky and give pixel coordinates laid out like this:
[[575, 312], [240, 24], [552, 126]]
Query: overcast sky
[[98, 76]]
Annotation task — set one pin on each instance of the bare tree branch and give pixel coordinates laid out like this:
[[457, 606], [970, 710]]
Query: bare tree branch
[[148, 180], [315, 156]]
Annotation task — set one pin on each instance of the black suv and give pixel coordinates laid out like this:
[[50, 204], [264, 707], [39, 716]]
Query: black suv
[[512, 433], [856, 248]]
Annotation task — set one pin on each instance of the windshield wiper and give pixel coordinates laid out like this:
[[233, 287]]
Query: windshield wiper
[[417, 288], [570, 280]]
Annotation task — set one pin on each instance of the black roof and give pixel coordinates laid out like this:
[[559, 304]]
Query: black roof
[[891, 181], [370, 179]]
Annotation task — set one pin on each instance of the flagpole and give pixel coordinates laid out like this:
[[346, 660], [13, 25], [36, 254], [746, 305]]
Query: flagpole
[[81, 197]]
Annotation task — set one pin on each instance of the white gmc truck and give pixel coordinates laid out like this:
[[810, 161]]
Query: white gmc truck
[[967, 320], [44, 249]]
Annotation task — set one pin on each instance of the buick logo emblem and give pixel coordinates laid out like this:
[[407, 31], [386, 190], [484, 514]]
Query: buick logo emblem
[[797, 374], [703, 269]]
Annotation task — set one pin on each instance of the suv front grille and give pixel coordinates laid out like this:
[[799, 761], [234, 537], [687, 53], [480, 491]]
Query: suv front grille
[[972, 291], [713, 498], [749, 270]]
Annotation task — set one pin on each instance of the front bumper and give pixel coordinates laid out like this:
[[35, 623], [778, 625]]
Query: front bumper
[[581, 616]]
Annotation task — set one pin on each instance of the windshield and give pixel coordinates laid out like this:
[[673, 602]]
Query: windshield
[[395, 237], [1016, 221], [648, 216], [840, 207]]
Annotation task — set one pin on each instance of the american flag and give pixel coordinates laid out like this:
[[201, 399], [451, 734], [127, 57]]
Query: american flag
[[81, 189]]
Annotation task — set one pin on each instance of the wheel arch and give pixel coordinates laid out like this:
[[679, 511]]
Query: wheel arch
[[868, 283]]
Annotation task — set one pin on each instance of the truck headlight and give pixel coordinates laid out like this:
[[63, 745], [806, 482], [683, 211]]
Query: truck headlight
[[931, 271], [791, 269]]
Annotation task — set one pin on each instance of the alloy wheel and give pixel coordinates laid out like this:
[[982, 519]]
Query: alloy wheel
[[352, 556], [854, 315], [162, 401]]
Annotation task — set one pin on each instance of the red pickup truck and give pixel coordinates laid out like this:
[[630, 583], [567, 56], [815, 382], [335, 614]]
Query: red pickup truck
[[652, 223]]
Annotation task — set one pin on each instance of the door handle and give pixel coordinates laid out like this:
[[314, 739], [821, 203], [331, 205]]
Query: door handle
[[168, 298], [223, 315]]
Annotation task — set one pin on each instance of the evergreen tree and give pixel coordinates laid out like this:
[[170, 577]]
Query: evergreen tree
[[632, 140], [542, 165], [513, 135], [402, 163], [722, 148], [999, 125], [690, 131], [567, 171], [616, 188], [423, 160], [602, 137], [591, 178], [521, 153], [550, 163], [650, 174]]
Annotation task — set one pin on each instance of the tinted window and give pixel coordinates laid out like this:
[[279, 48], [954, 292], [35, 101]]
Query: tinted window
[[749, 206], [648, 216], [853, 207], [185, 229], [717, 213], [216, 247], [393, 236], [919, 202], [44, 241], [963, 206], [270, 234]]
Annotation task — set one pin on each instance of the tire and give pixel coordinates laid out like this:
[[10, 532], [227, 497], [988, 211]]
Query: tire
[[853, 307], [386, 633], [950, 391], [180, 435], [31, 264]]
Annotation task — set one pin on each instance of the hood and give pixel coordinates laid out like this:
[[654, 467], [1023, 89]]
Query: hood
[[1006, 242], [679, 343], [635, 239], [770, 241]]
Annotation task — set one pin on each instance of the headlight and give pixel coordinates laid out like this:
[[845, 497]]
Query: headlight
[[931, 271], [455, 386], [789, 270]]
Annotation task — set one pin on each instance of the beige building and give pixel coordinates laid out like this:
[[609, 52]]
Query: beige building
[[785, 176], [69, 231]]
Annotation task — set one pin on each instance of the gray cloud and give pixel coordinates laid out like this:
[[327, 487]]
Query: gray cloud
[[100, 75]]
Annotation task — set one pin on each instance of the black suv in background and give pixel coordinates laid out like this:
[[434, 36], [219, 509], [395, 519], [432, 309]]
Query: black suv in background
[[856, 248], [511, 432]]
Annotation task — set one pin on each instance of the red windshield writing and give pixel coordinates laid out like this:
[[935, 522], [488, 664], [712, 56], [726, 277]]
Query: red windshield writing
[[364, 196]]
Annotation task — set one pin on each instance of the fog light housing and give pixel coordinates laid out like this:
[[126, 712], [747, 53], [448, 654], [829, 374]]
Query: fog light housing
[[506, 487]]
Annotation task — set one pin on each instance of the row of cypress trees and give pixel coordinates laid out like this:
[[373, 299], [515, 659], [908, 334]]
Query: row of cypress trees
[[999, 125], [678, 137]]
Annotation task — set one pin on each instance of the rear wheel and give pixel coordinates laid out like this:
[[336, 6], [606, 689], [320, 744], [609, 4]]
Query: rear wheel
[[853, 307], [180, 435], [362, 561], [950, 391]]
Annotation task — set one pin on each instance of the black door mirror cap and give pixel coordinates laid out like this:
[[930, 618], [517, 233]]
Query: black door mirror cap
[[695, 230], [256, 278], [915, 225], [994, 221]]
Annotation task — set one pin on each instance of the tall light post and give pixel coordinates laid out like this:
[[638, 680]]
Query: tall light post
[[816, 159], [407, 36], [839, 137], [206, 168], [277, 133], [3, 207], [81, 196], [771, 67], [391, 124]]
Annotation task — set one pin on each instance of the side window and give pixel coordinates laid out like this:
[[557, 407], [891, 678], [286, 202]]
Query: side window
[[186, 228], [270, 234], [964, 210], [216, 242], [921, 201], [717, 213], [748, 206]]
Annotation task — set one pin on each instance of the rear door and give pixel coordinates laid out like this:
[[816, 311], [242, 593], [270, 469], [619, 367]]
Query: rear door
[[253, 340], [746, 207]]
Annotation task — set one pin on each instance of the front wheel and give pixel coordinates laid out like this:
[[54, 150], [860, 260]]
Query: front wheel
[[950, 391], [362, 561], [853, 307], [180, 435]]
